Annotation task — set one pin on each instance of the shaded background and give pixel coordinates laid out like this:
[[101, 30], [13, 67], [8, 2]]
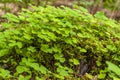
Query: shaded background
[[110, 7]]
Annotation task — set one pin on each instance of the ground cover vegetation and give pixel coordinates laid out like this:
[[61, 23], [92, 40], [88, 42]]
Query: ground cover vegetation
[[59, 43], [41, 42]]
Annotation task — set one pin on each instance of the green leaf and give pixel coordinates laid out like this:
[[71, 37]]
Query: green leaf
[[21, 77], [21, 17], [111, 47], [62, 72], [37, 78], [34, 66], [102, 74], [43, 36], [31, 48], [62, 60], [59, 57], [75, 40], [43, 70], [98, 63], [59, 76], [89, 76], [26, 61], [69, 41], [113, 67], [100, 15], [6, 25], [4, 52], [70, 70], [21, 69], [115, 78], [12, 43], [27, 36], [45, 48], [4, 73], [56, 48], [19, 44], [83, 50], [11, 17], [74, 61]]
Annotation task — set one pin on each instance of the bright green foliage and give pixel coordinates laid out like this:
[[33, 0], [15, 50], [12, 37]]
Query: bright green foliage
[[114, 70], [4, 73], [50, 42]]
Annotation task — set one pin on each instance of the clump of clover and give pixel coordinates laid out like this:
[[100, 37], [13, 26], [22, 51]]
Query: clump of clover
[[50, 42]]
